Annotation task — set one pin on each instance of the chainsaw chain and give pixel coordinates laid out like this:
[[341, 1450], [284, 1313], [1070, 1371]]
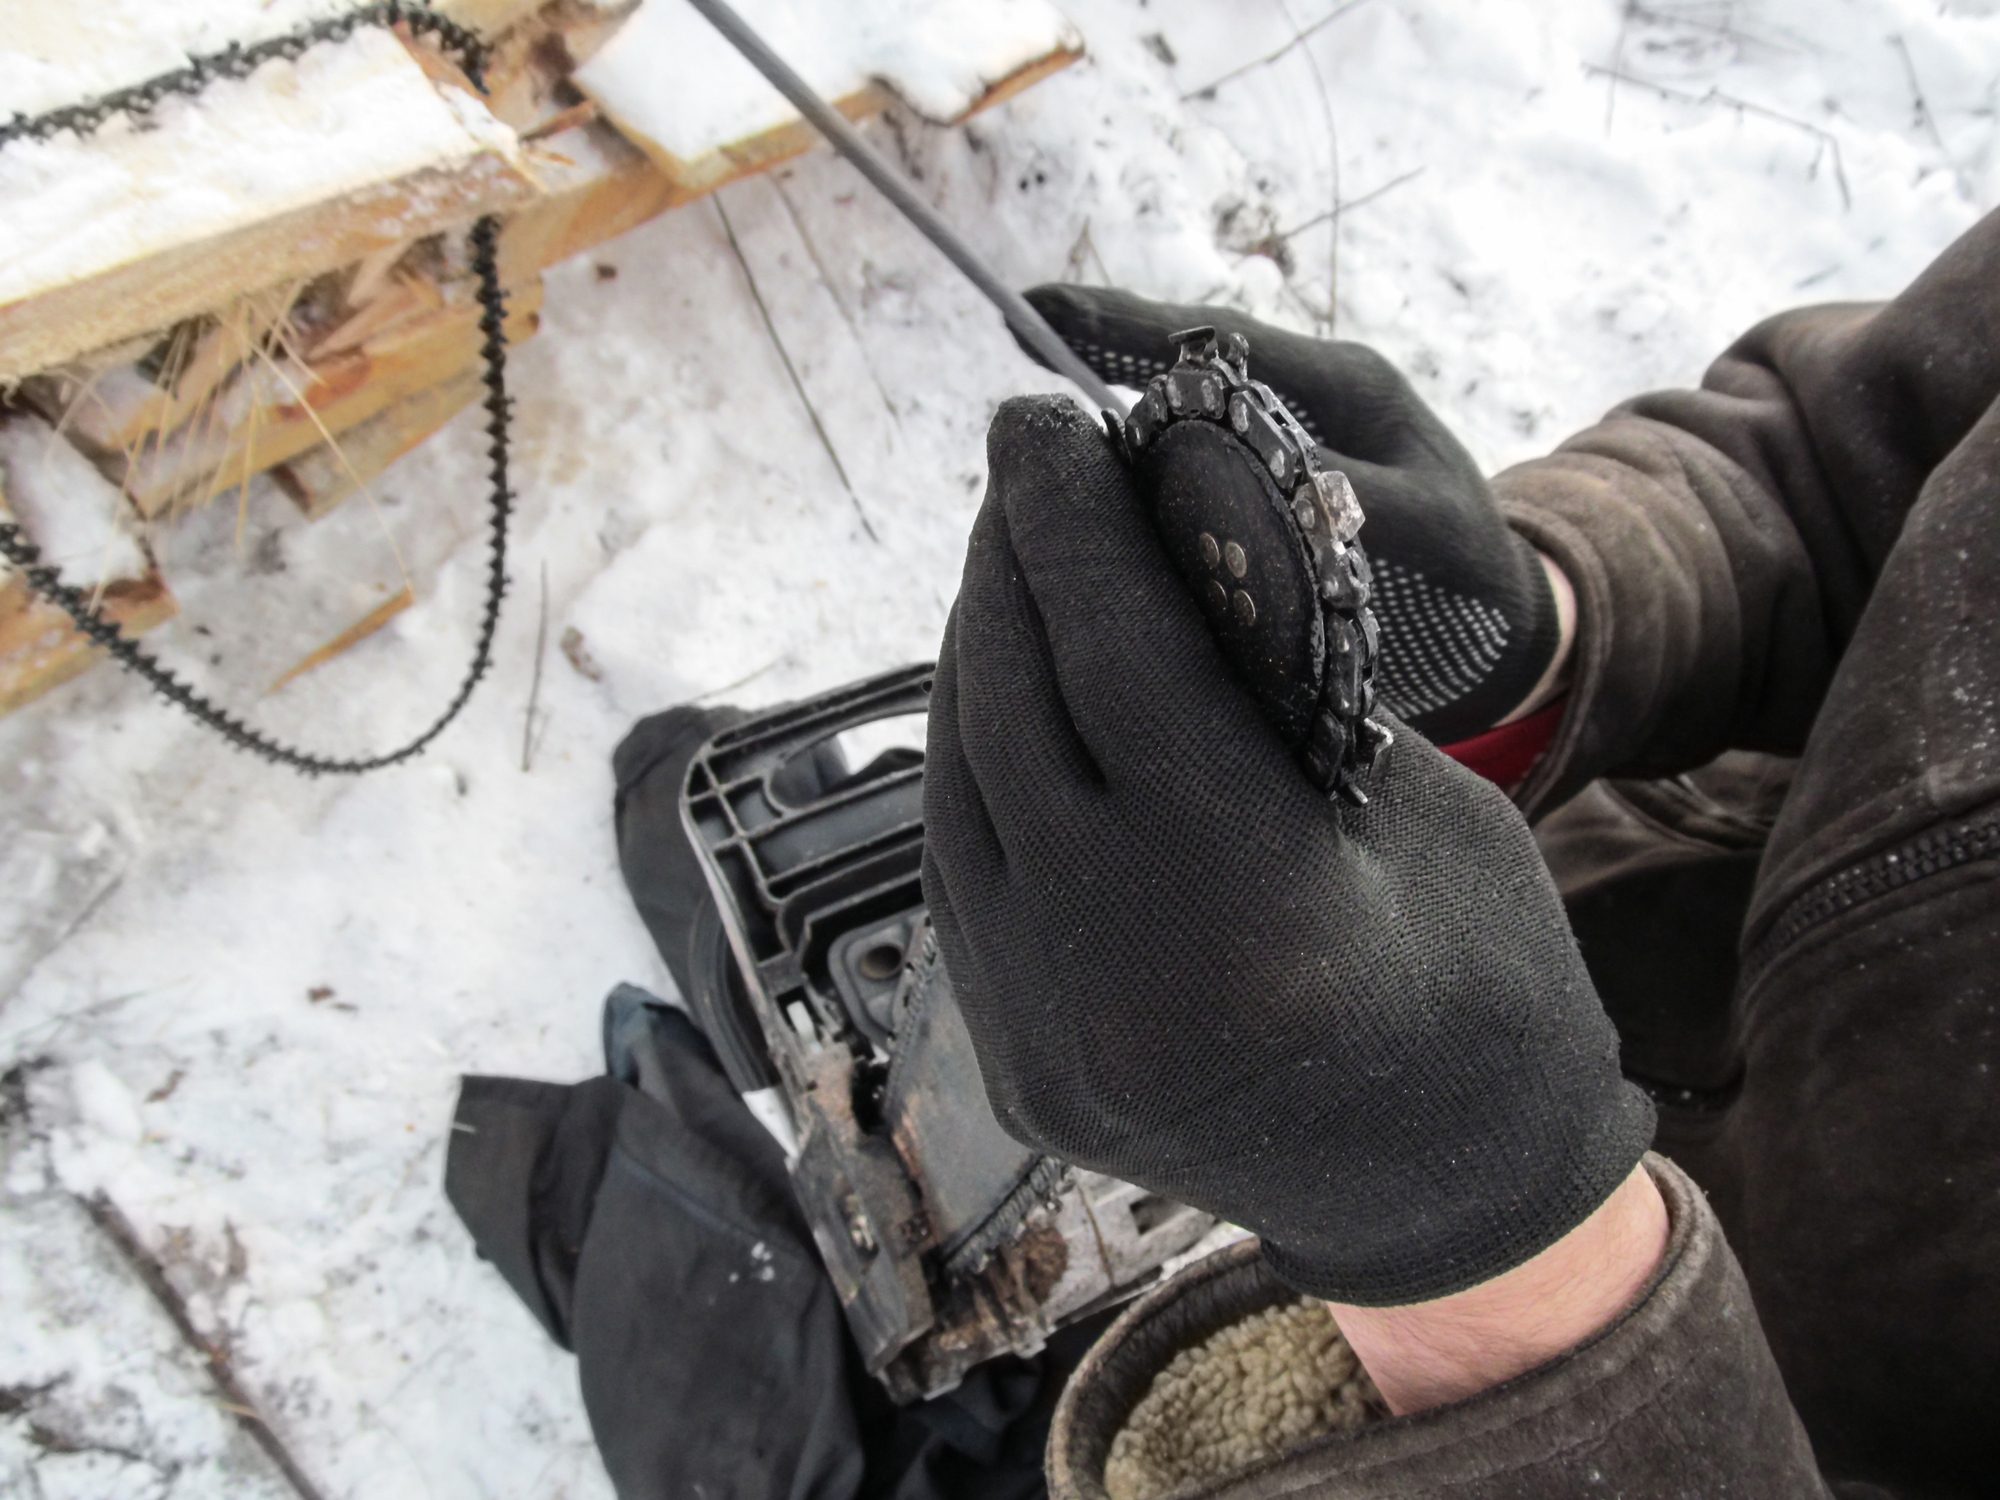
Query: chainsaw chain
[[469, 51], [1210, 382]]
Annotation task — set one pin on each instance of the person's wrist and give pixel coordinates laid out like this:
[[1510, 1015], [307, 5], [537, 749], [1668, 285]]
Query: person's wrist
[[1427, 1354]]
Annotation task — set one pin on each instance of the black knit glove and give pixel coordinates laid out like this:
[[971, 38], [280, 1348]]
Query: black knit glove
[[1468, 618], [1366, 1034]]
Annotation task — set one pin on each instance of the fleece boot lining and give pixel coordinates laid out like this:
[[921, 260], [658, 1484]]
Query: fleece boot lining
[[1247, 1394]]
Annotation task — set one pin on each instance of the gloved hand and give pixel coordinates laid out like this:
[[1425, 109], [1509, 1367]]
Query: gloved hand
[[1468, 618], [1365, 1034]]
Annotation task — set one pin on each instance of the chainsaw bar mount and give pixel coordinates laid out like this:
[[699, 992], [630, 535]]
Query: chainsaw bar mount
[[1265, 537]]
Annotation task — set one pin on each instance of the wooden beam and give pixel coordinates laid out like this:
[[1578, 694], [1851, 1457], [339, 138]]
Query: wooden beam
[[321, 478], [694, 176], [40, 649], [279, 408], [51, 312]]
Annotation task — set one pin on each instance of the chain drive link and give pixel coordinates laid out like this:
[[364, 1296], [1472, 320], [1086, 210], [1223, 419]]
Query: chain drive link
[[1210, 382]]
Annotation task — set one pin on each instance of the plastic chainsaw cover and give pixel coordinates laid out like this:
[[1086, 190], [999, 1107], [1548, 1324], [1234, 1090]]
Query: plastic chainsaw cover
[[947, 1242]]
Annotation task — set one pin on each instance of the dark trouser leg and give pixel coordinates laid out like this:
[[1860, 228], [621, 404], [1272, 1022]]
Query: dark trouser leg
[[1857, 1171]]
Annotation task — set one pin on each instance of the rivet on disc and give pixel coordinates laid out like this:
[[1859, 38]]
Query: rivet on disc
[[1239, 414], [1175, 398], [1217, 596], [1211, 396], [1307, 516], [1232, 554], [1281, 464], [1211, 553], [1246, 607]]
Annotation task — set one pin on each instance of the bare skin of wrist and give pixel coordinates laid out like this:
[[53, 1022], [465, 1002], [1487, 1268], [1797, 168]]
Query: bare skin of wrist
[[1431, 1353]]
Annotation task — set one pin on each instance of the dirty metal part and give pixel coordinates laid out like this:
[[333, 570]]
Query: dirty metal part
[[948, 1243], [1265, 537]]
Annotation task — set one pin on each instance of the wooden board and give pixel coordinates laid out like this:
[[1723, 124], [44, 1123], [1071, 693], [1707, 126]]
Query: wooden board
[[692, 178], [152, 286], [40, 649], [277, 410], [320, 478]]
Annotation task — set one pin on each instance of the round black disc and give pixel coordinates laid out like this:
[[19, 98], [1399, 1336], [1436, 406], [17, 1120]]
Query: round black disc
[[1230, 533]]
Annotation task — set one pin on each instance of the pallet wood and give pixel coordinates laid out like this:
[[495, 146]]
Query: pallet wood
[[40, 649], [280, 409], [321, 478], [695, 177], [155, 287]]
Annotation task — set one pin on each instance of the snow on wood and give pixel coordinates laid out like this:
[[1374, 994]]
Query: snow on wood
[[299, 168], [59, 54], [77, 519], [946, 59]]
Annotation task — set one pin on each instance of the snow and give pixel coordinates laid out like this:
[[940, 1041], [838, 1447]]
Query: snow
[[176, 908], [938, 57], [72, 512], [59, 54], [345, 117]]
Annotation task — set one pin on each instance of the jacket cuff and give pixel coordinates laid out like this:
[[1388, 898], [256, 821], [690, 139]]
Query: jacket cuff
[[1679, 1396]]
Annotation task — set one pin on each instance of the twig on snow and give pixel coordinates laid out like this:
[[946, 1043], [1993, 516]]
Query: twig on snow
[[1333, 166], [798, 385], [1829, 142], [1926, 116], [535, 682], [833, 292], [1085, 246], [1351, 204], [1617, 62], [1298, 39], [235, 1400], [744, 680]]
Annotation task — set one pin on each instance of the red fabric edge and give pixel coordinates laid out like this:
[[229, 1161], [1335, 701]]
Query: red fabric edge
[[1505, 756]]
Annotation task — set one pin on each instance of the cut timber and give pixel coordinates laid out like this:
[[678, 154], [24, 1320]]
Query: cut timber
[[119, 408], [319, 479], [40, 649], [131, 230], [277, 408], [595, 186], [356, 633], [74, 516], [528, 74], [946, 59]]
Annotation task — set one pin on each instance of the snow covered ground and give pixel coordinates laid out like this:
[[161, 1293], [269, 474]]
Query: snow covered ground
[[237, 1003]]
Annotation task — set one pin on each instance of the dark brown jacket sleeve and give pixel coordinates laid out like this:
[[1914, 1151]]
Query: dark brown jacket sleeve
[[1677, 1398], [1724, 542]]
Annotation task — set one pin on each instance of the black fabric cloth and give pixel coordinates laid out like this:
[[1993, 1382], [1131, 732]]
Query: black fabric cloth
[[1774, 804], [646, 1220], [1800, 558], [1365, 1033], [1468, 616]]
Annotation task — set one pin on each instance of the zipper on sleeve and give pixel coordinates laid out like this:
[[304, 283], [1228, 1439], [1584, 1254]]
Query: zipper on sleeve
[[1933, 853]]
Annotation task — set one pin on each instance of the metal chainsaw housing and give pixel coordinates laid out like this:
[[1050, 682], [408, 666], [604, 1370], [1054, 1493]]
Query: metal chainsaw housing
[[948, 1243]]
